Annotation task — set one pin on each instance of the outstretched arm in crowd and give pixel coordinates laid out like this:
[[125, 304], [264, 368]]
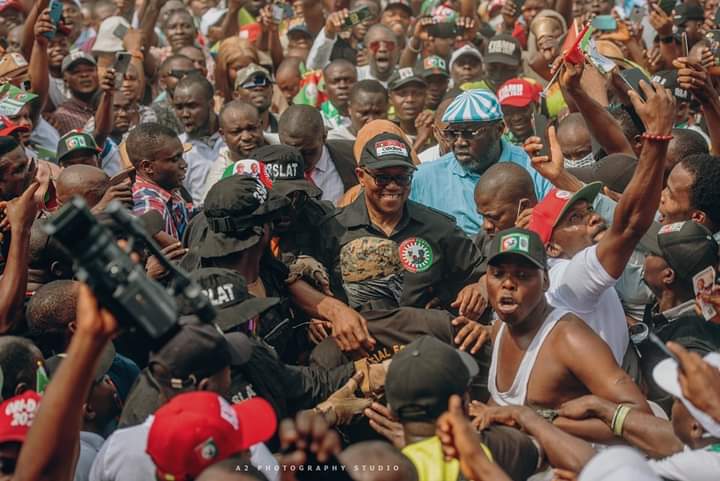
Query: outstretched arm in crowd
[[270, 40], [562, 450], [349, 328], [19, 214], [147, 26], [699, 380], [104, 112], [652, 435], [28, 35], [663, 25], [324, 42], [640, 200], [230, 26], [552, 166], [460, 440], [601, 124], [694, 78], [38, 68], [51, 446]]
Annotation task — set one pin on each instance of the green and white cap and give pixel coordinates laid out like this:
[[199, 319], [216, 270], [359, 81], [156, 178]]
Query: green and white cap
[[13, 99], [521, 242]]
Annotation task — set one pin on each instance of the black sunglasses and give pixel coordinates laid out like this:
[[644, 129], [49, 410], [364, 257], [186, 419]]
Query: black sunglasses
[[7, 465], [403, 180]]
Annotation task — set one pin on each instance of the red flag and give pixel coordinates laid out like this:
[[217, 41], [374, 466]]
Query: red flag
[[574, 53]]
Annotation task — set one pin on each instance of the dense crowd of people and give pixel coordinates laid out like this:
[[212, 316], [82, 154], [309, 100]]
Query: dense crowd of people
[[370, 240]]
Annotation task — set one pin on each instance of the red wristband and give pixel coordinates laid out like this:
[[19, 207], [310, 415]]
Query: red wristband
[[655, 137]]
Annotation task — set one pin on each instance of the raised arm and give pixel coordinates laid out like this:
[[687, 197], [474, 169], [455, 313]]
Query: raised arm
[[230, 26], [147, 26], [324, 42], [640, 200], [38, 68], [60, 415], [663, 25], [28, 36], [695, 79], [104, 113], [602, 126], [414, 46], [19, 214]]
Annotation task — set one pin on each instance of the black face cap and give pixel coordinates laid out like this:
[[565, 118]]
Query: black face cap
[[518, 242], [687, 247], [386, 150], [424, 375], [286, 167]]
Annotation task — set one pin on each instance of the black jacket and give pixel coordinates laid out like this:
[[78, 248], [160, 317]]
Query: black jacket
[[341, 153]]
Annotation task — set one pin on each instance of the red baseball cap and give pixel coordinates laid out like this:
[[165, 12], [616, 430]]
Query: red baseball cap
[[519, 92], [549, 211], [8, 127], [16, 416], [200, 428]]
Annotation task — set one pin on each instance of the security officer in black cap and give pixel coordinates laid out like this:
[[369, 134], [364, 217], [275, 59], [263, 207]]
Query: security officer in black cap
[[296, 229], [234, 233], [438, 259]]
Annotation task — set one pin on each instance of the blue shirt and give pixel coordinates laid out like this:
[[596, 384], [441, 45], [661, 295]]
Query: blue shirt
[[446, 186]]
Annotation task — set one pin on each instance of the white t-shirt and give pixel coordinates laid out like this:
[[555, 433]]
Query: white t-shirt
[[123, 457], [690, 465], [583, 286]]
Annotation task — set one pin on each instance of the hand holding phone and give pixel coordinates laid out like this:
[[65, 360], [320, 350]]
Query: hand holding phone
[[122, 62], [357, 15], [632, 78], [56, 10]]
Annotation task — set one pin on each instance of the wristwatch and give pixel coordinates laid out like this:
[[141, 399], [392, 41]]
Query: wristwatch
[[668, 39], [639, 332]]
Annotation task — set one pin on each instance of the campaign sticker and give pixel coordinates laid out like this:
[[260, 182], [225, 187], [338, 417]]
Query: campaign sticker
[[674, 227], [416, 255], [515, 242], [562, 194], [390, 147]]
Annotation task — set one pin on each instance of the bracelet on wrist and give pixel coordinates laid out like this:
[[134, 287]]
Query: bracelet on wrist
[[618, 419], [656, 137], [668, 39]]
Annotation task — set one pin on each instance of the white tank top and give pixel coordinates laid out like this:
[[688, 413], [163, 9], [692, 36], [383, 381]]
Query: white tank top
[[517, 393]]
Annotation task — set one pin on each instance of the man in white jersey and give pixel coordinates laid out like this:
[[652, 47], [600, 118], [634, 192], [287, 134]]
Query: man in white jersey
[[587, 257], [544, 356]]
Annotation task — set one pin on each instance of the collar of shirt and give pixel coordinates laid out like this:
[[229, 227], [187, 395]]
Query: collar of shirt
[[209, 140], [460, 171], [675, 313], [357, 215], [323, 165], [76, 105], [142, 183]]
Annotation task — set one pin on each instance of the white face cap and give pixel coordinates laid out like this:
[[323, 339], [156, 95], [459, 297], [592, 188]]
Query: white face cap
[[618, 463], [666, 376]]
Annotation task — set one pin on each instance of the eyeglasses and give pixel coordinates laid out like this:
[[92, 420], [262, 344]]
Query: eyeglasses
[[256, 82], [381, 180], [454, 134], [179, 74], [378, 44]]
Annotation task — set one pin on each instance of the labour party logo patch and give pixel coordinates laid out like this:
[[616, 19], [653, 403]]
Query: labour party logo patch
[[416, 255], [390, 147], [515, 242], [562, 194]]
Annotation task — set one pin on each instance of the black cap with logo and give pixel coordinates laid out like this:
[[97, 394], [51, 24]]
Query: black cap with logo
[[422, 377], [386, 150], [687, 246], [285, 165], [404, 76], [198, 351], [76, 141], [505, 49], [434, 65], [236, 209], [688, 11], [520, 242], [228, 293]]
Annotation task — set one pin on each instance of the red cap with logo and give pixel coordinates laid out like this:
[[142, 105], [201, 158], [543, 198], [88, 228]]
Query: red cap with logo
[[519, 92], [8, 127], [197, 429], [548, 212], [16, 416]]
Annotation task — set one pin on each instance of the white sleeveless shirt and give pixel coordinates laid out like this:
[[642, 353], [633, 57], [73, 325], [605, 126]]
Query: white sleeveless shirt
[[517, 393]]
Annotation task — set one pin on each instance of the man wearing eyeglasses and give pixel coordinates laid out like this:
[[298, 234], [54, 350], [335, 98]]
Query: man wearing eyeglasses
[[474, 132], [437, 258], [383, 54], [254, 85]]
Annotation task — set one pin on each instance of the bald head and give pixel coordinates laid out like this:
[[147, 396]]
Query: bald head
[[300, 121], [574, 137], [238, 108], [377, 453], [289, 65], [503, 191], [88, 182]]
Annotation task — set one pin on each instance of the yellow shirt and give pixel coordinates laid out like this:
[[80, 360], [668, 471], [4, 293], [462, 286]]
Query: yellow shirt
[[430, 463]]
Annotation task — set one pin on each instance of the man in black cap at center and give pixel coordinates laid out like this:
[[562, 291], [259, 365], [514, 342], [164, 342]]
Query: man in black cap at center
[[234, 233], [438, 259]]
